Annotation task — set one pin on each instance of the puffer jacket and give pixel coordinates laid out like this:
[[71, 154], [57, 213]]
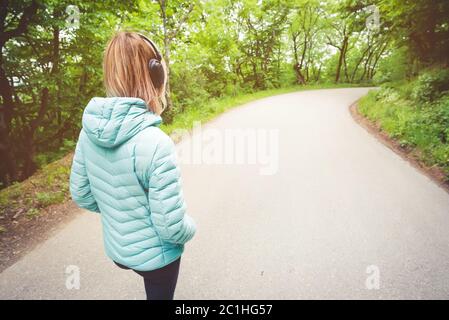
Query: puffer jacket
[[125, 168]]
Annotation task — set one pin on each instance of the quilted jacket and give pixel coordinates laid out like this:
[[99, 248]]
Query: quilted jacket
[[124, 168]]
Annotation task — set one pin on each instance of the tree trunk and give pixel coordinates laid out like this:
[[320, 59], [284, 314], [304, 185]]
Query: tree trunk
[[167, 43], [30, 146], [354, 72], [340, 58], [55, 73], [299, 76], [8, 168]]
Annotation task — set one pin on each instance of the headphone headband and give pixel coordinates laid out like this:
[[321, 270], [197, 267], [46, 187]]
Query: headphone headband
[[155, 49], [157, 73]]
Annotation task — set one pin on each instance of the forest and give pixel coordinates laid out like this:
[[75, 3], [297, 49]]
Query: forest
[[52, 50]]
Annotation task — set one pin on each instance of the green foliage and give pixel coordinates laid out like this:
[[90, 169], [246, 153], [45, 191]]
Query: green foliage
[[417, 122], [54, 70], [50, 185], [32, 213], [394, 67], [45, 199], [420, 25], [431, 85]]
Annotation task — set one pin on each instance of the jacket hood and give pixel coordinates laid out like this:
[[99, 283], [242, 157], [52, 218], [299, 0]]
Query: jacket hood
[[109, 122]]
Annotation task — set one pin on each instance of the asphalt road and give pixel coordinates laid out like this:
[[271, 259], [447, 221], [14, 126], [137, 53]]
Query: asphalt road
[[338, 216]]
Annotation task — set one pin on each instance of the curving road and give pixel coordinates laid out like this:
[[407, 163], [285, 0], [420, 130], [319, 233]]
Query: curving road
[[340, 216]]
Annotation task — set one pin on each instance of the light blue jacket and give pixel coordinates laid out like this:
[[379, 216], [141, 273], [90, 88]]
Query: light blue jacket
[[125, 169]]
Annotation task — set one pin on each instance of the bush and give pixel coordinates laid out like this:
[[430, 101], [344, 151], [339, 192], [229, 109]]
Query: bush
[[442, 117], [397, 109], [45, 199], [430, 85]]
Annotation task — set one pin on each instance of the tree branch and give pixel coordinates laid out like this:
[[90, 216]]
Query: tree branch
[[175, 32], [24, 21]]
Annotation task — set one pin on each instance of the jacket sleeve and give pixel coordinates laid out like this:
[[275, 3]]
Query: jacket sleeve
[[167, 206], [79, 183]]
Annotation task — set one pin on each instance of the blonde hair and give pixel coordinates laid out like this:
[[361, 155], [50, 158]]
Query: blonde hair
[[126, 70]]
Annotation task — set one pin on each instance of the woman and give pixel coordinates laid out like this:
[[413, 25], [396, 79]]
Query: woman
[[125, 168]]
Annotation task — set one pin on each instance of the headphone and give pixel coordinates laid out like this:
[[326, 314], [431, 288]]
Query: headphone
[[157, 73]]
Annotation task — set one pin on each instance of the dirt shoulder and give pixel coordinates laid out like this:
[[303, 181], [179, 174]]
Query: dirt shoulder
[[24, 233], [32, 210], [408, 154]]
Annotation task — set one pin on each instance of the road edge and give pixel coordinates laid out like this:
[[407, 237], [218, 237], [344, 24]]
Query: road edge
[[40, 229], [411, 156]]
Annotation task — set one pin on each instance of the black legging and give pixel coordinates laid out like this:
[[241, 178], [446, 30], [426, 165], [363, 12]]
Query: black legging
[[160, 284]]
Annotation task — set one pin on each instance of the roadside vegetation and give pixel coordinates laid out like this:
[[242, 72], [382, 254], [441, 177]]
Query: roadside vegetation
[[416, 114]]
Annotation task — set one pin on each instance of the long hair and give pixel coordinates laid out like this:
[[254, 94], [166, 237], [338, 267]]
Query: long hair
[[126, 70]]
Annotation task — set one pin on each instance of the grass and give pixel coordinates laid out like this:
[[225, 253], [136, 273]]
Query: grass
[[421, 127], [50, 185], [33, 212], [47, 186]]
